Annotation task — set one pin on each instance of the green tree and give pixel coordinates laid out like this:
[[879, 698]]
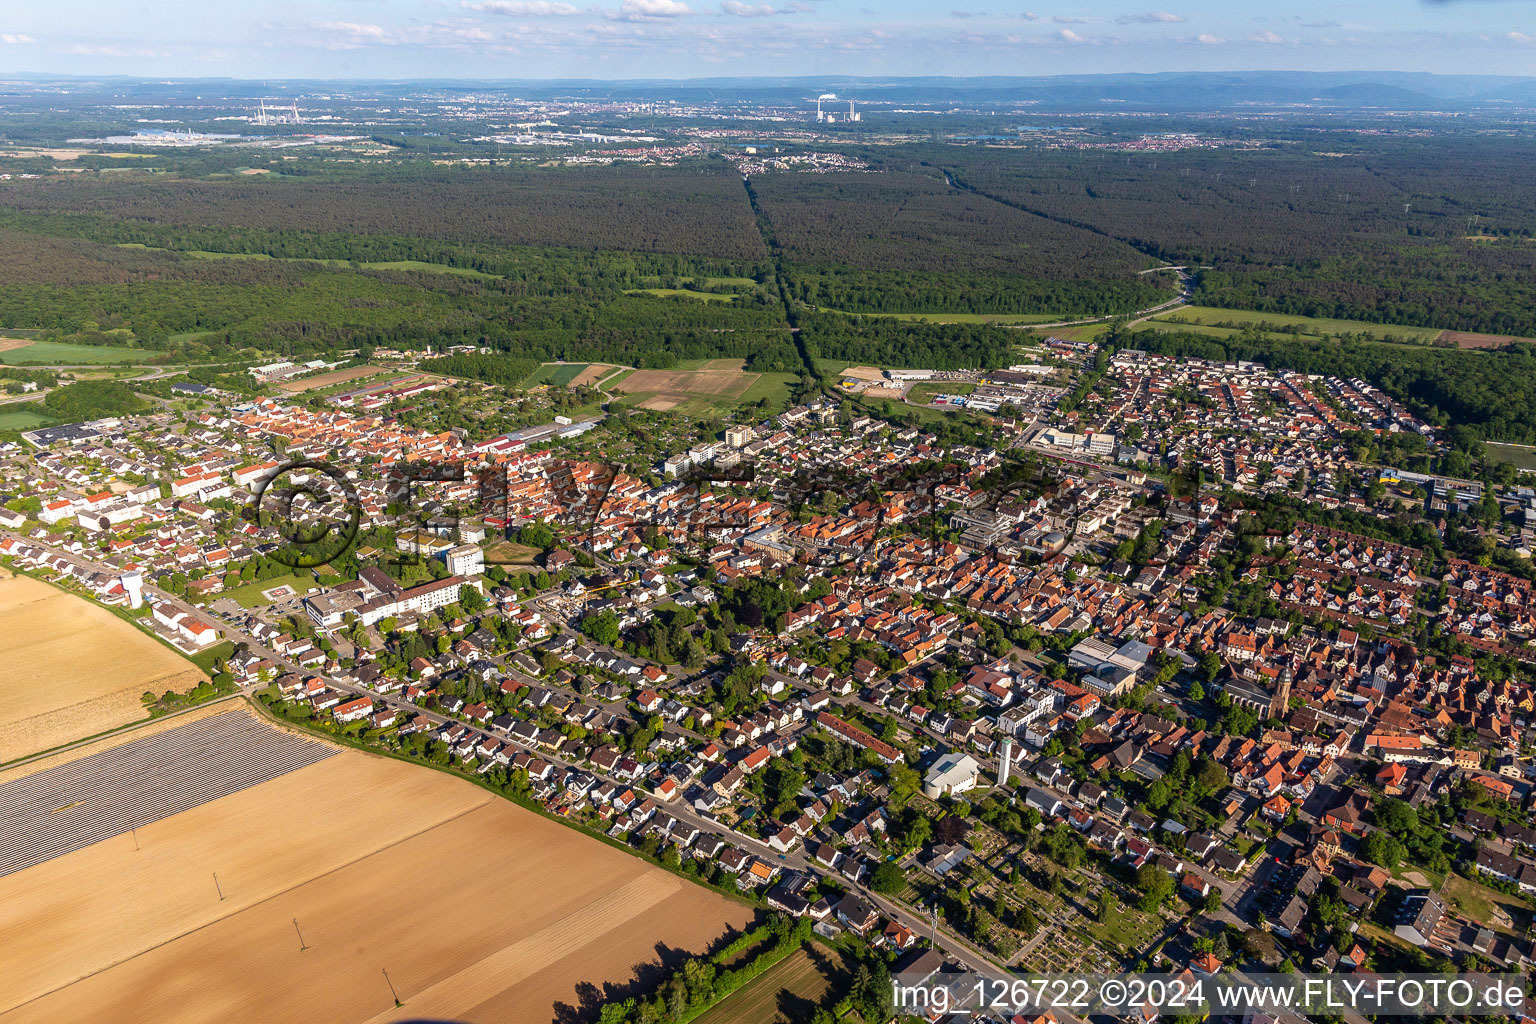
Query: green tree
[[888, 879], [602, 627], [1155, 886]]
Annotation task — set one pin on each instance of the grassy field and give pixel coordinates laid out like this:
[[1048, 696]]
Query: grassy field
[[923, 414], [687, 293], [926, 392], [557, 374], [206, 254], [508, 552], [23, 416], [431, 268], [772, 386], [961, 318], [1489, 907], [730, 282], [787, 993], [52, 353], [248, 595], [323, 846], [1309, 326], [1521, 456], [1086, 332]]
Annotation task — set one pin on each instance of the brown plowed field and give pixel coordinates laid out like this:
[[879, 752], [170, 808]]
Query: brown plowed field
[[1465, 339]]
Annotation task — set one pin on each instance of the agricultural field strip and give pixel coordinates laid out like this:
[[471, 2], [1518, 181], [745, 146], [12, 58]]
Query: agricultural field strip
[[63, 809]]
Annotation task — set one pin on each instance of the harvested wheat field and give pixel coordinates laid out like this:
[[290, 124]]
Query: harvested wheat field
[[864, 373], [73, 669], [479, 910], [6, 344]]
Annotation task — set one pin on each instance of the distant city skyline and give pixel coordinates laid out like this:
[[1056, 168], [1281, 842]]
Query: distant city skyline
[[709, 38]]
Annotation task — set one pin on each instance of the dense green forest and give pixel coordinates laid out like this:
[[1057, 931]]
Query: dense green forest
[[203, 307], [93, 399], [549, 263], [904, 242], [696, 209], [882, 341], [1386, 229], [507, 371]]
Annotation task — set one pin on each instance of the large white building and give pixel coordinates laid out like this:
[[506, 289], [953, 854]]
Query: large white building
[[391, 600], [465, 560], [951, 775]]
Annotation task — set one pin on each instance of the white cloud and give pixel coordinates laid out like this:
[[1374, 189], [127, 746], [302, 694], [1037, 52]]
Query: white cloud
[[1209, 40], [15, 38], [1063, 19], [1151, 18], [1070, 36], [87, 50], [1517, 37], [742, 10], [353, 28], [1030, 16], [355, 33], [1266, 37], [636, 10], [529, 8]]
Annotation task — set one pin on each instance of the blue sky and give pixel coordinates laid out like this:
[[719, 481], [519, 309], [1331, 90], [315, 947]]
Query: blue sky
[[695, 38]]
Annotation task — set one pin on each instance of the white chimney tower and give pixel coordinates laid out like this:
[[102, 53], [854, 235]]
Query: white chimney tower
[[1005, 765]]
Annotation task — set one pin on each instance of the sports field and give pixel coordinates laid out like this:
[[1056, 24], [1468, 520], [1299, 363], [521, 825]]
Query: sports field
[[331, 875], [705, 387], [325, 380], [1521, 456], [73, 669]]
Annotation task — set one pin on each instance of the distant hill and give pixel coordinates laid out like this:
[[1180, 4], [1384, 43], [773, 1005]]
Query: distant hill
[[1397, 90]]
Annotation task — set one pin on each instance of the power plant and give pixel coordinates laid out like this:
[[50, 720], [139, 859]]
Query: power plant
[[276, 115], [830, 116]]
